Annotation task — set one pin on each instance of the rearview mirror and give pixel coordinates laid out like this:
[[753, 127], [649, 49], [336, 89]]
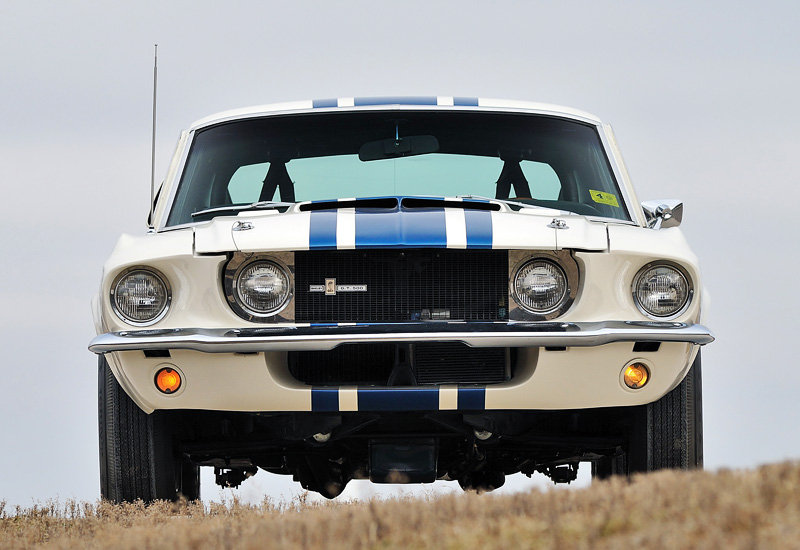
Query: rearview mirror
[[398, 147]]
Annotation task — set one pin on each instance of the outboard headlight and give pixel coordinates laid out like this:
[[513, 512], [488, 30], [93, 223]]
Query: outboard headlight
[[662, 290], [140, 296]]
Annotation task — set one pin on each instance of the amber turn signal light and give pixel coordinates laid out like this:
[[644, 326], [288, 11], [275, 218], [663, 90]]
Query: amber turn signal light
[[168, 380], [636, 375]]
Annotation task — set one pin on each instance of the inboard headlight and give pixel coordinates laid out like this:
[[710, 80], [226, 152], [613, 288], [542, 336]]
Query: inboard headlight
[[540, 286], [140, 296], [262, 288], [661, 290]]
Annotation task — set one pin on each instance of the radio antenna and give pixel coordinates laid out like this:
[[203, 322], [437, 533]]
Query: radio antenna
[[150, 220]]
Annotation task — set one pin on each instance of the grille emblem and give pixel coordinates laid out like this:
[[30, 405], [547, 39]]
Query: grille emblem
[[330, 288]]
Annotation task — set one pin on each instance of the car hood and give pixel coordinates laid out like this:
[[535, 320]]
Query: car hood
[[440, 223]]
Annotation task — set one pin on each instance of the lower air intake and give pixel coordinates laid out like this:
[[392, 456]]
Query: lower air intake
[[418, 364]]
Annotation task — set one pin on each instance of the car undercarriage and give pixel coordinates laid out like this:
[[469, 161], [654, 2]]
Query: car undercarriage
[[325, 451]]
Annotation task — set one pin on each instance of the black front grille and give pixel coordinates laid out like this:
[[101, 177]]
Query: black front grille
[[402, 285], [401, 364], [457, 363], [348, 364]]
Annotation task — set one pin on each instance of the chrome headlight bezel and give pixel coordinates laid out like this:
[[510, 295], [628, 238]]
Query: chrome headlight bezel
[[116, 295], [684, 303], [238, 265], [566, 268]]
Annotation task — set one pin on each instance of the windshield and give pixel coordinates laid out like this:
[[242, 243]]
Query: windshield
[[537, 160]]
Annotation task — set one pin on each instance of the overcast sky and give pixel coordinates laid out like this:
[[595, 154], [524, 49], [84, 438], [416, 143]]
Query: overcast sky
[[703, 97]]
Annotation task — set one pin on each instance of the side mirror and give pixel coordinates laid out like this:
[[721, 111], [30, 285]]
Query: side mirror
[[663, 213]]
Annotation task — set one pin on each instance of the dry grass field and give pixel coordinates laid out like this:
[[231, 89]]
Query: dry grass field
[[727, 509]]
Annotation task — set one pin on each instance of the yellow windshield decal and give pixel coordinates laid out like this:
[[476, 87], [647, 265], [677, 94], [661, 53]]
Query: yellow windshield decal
[[602, 197]]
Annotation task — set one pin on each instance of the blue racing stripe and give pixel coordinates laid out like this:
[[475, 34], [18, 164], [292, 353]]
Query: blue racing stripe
[[377, 229], [389, 100], [426, 228], [322, 230], [401, 399], [479, 228], [324, 399], [401, 229], [321, 103], [471, 399], [465, 101]]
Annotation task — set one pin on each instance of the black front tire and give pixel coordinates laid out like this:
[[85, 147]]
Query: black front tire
[[665, 434], [669, 432], [137, 458], [608, 466]]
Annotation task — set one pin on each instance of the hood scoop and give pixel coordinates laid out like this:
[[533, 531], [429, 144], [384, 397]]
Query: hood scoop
[[399, 203]]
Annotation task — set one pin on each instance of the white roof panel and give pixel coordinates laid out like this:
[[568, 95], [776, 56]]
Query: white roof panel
[[398, 103]]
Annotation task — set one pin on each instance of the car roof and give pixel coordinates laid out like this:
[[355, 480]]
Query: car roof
[[397, 103]]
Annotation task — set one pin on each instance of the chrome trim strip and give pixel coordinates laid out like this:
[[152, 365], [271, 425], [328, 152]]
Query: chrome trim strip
[[173, 184], [515, 334], [621, 175]]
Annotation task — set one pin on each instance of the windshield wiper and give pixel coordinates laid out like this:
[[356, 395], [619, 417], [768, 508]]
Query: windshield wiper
[[260, 205]]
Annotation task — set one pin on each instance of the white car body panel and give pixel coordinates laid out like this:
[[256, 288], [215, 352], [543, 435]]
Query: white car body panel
[[309, 302], [193, 256]]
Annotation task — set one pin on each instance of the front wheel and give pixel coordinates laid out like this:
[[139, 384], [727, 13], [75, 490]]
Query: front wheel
[[137, 459], [669, 432], [665, 434]]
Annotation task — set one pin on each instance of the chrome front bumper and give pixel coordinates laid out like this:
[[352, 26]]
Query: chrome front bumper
[[324, 337]]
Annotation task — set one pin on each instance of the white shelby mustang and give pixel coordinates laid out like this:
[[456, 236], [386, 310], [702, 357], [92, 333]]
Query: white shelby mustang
[[399, 289]]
